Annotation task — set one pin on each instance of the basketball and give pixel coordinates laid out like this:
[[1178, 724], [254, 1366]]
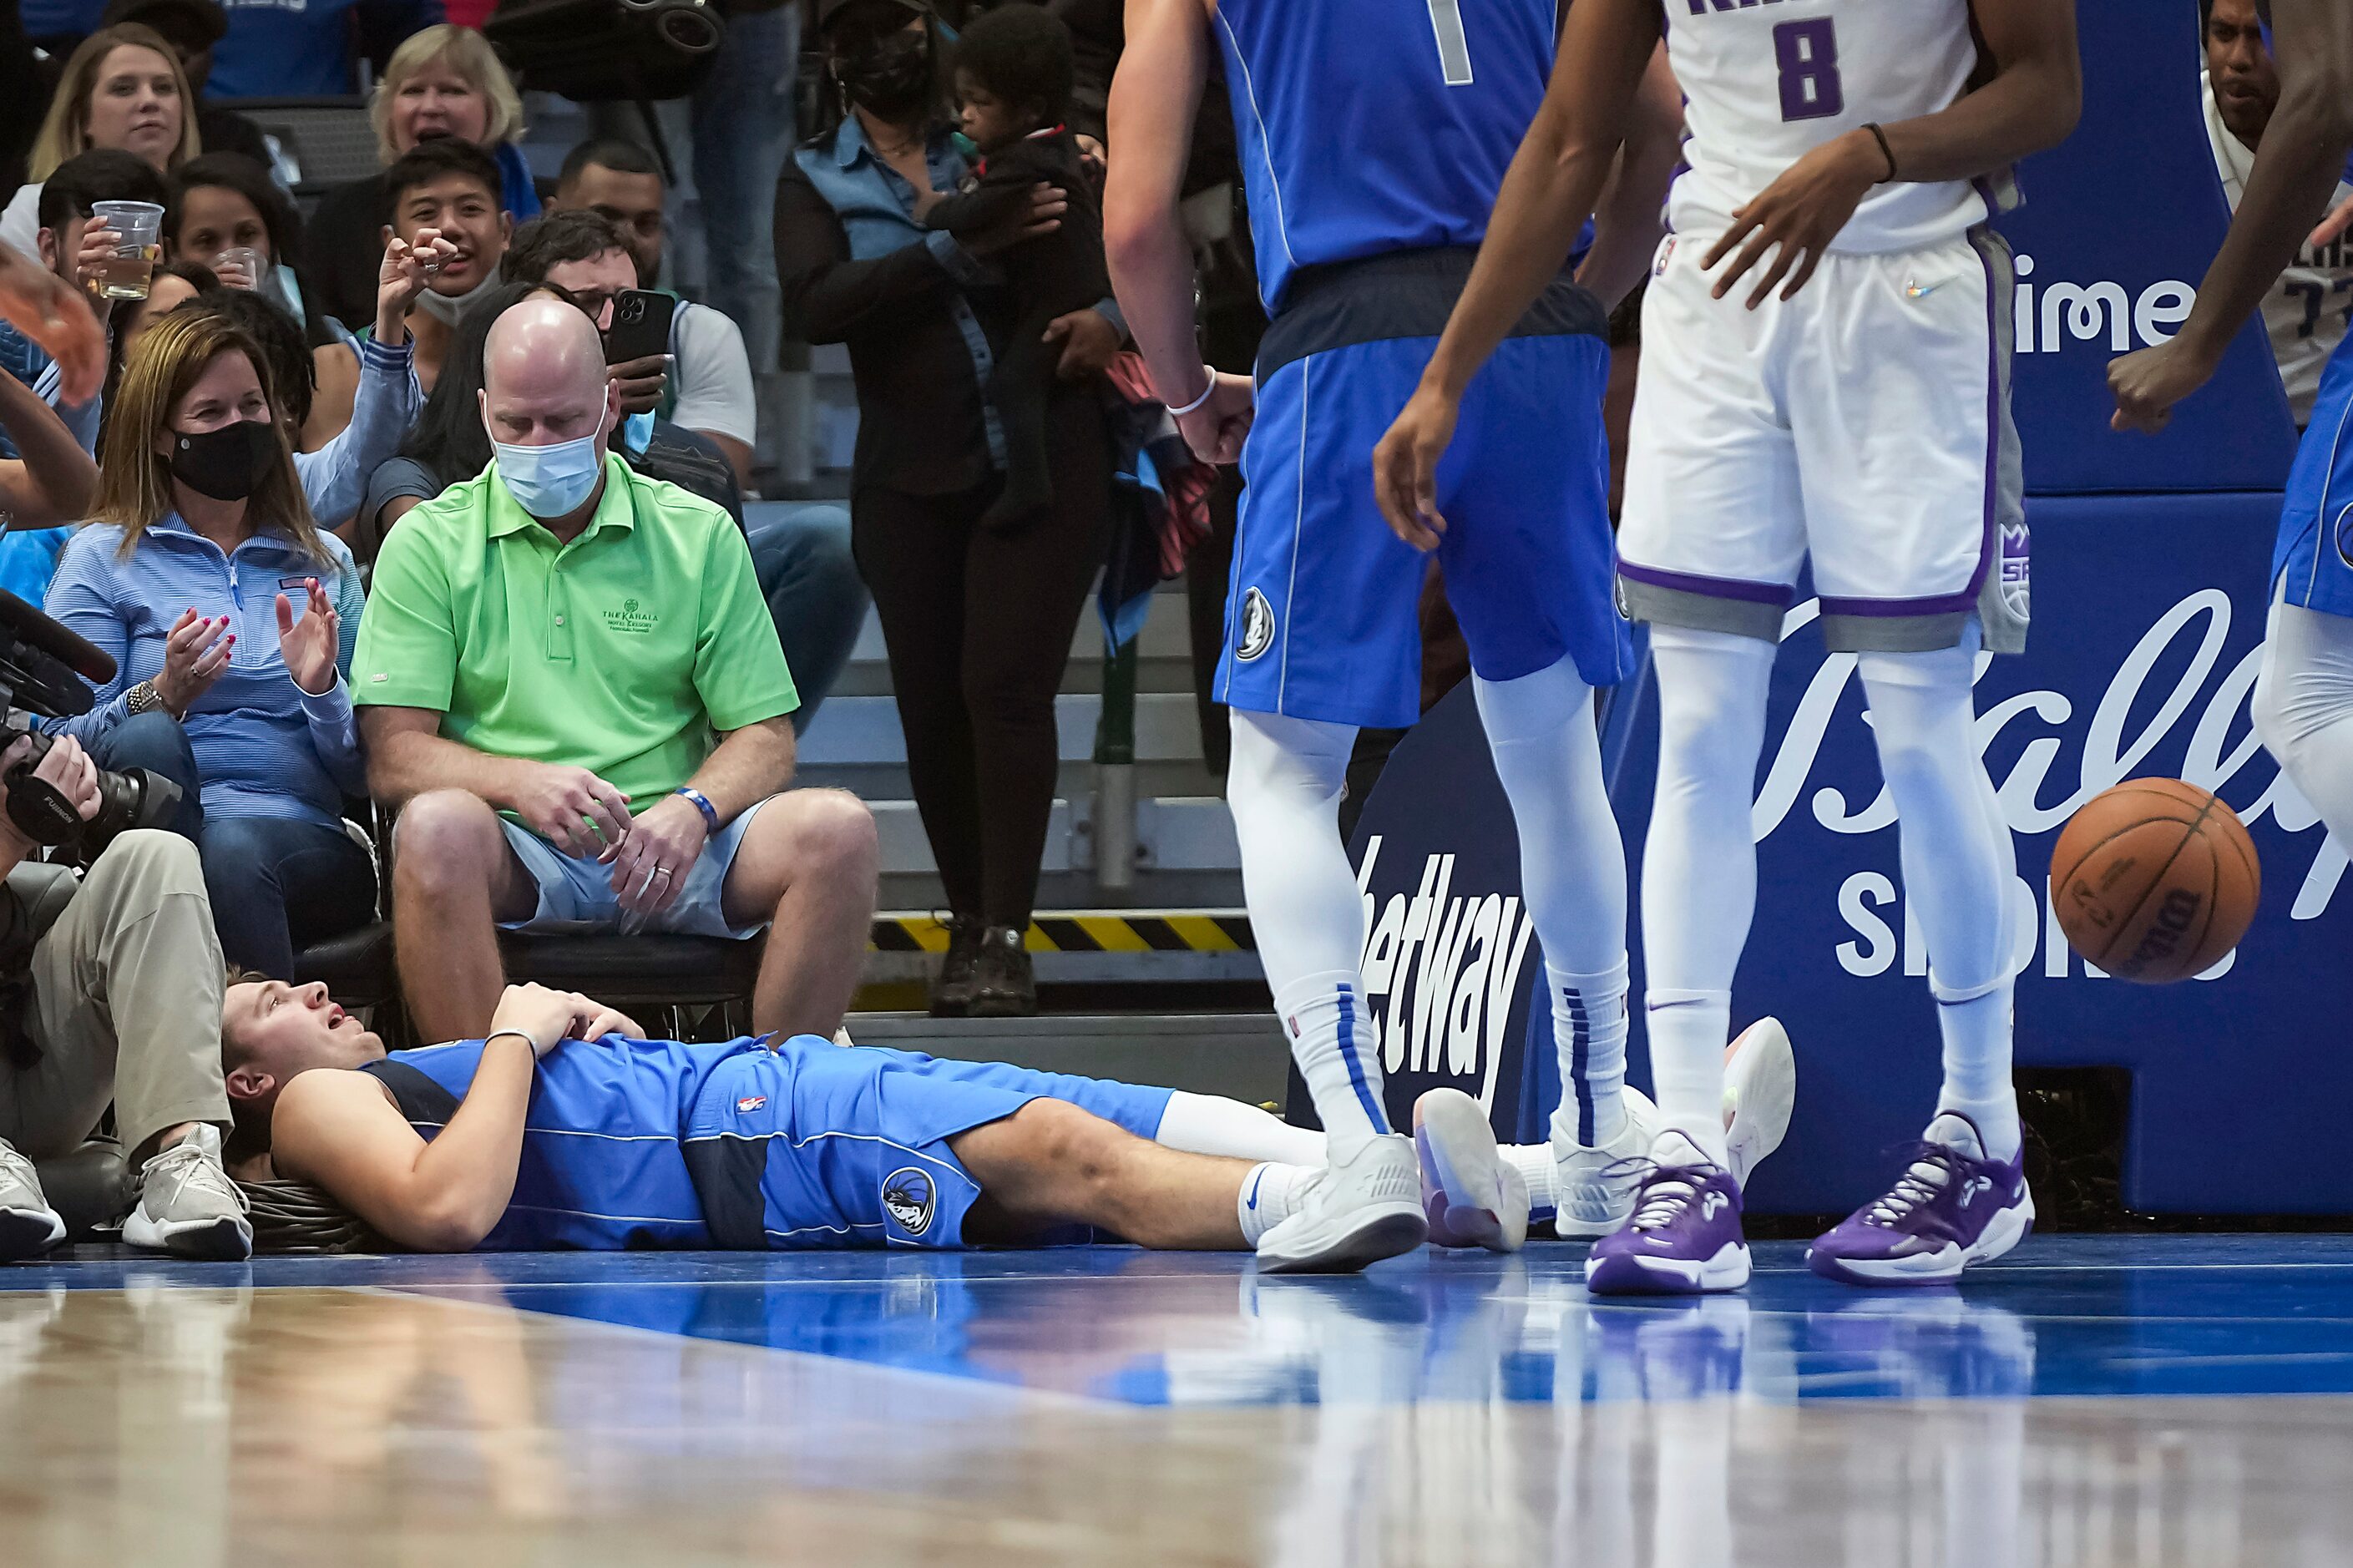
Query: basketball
[[2154, 880]]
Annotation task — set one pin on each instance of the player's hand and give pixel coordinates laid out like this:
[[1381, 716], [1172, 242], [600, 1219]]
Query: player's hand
[[2147, 384], [1798, 216], [1042, 217], [641, 383], [547, 1018], [1405, 467], [662, 847], [573, 809], [1216, 429], [195, 652], [1089, 341], [46, 309]]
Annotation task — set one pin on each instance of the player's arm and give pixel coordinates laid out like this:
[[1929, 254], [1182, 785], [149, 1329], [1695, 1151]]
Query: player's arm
[[338, 1131], [1154, 96], [1630, 218], [2296, 173], [2032, 102], [1555, 179]]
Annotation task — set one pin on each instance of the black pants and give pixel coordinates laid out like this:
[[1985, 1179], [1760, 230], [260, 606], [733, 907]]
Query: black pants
[[978, 624]]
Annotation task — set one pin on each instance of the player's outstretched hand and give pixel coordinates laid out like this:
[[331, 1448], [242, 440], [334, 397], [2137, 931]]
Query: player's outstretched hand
[[2149, 383], [1215, 429], [1405, 467], [1798, 216]]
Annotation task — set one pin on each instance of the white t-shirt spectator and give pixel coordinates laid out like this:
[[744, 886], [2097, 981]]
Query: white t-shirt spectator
[[2308, 308], [714, 375]]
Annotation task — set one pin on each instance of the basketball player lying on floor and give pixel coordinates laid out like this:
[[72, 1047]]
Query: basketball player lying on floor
[[565, 1128]]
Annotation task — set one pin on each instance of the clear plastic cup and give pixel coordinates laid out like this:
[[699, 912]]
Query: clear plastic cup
[[241, 267], [138, 228]]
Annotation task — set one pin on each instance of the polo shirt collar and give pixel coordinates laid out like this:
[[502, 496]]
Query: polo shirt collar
[[615, 508], [179, 527]]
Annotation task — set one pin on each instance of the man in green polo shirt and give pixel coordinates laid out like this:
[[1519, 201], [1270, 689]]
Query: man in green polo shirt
[[570, 686]]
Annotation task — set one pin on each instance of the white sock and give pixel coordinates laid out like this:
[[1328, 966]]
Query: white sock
[[1284, 788], [1212, 1124], [1534, 1162], [1958, 864], [1699, 866], [1542, 732], [2304, 708], [1269, 1196]]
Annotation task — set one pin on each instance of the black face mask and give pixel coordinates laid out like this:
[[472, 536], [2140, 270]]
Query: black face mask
[[891, 77], [227, 464]]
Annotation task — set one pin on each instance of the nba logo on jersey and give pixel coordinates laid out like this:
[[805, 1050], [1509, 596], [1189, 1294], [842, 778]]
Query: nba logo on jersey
[[907, 1195], [749, 1103], [1257, 626]]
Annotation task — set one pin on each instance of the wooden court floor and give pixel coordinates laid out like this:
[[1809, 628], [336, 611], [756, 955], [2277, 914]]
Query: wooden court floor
[[2154, 1400]]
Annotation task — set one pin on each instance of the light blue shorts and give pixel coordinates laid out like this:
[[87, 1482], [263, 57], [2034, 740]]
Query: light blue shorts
[[575, 894]]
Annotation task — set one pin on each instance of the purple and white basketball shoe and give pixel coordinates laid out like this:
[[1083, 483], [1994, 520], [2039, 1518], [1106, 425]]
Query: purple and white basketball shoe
[[1684, 1238], [1950, 1208]]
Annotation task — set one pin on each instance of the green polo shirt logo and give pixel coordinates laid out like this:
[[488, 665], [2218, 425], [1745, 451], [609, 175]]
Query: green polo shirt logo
[[625, 651]]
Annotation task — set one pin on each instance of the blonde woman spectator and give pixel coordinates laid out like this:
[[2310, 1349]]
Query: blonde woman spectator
[[443, 82], [122, 87]]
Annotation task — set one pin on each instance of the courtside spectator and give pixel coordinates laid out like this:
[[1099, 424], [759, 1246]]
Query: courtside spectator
[[704, 383], [451, 190], [443, 83], [573, 694], [194, 28], [979, 621], [229, 616], [122, 89], [224, 201], [2305, 313]]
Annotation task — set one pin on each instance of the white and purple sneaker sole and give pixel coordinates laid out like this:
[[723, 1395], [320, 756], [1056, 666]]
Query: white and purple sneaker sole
[[1472, 1197], [1623, 1274], [1941, 1267]]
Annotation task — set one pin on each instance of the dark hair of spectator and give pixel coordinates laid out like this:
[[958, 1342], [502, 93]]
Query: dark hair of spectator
[[623, 157], [287, 370], [429, 161], [1021, 55], [548, 241], [101, 175], [447, 436], [236, 172]]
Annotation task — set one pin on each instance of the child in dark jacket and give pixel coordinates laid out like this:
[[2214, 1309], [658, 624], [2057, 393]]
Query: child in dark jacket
[[1013, 80]]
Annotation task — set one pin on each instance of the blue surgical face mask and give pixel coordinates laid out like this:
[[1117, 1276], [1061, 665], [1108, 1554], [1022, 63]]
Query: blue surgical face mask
[[550, 481], [637, 432]]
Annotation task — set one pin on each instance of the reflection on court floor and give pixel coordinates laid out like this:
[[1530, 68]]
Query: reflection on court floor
[[1094, 1405]]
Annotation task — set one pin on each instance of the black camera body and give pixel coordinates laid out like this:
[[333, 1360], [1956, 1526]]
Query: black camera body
[[45, 671]]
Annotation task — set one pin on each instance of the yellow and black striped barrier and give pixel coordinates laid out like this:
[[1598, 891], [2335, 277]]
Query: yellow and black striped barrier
[[1090, 930]]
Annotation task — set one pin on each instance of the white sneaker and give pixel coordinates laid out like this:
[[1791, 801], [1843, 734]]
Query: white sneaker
[[28, 1226], [1760, 1088], [188, 1206], [1359, 1210], [1590, 1198], [1471, 1196]]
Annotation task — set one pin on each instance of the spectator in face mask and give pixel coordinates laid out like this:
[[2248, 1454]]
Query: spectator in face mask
[[230, 618], [574, 697]]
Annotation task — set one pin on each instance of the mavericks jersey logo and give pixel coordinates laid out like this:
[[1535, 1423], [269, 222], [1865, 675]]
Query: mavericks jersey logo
[[1257, 632], [908, 1195]]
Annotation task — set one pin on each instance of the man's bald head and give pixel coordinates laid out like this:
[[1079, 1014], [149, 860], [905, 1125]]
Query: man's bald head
[[544, 377]]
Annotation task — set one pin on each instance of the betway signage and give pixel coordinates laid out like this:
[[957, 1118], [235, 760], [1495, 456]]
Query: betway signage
[[2150, 615]]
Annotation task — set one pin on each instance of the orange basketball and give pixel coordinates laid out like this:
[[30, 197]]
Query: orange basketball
[[2155, 881]]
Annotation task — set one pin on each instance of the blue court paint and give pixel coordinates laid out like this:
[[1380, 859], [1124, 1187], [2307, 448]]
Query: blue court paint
[[2064, 1316]]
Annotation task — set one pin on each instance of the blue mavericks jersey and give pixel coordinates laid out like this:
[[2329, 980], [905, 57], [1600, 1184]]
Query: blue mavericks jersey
[[602, 1166], [1368, 126]]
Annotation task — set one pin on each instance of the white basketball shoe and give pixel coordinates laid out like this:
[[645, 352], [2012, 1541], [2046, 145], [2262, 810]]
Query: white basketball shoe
[[1471, 1196], [1351, 1213]]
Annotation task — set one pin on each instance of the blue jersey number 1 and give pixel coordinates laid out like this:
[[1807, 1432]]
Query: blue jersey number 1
[[1453, 46], [1807, 53]]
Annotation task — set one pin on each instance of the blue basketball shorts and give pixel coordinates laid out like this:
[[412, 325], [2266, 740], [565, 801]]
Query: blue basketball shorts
[[2312, 566], [819, 1145], [1322, 613]]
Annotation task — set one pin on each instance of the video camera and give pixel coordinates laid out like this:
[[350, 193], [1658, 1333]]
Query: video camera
[[43, 667]]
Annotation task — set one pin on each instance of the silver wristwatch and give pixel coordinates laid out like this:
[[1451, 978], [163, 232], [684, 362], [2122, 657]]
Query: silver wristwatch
[[144, 697]]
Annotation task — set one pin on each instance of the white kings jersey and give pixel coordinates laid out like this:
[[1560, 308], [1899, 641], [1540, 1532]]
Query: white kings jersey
[[1766, 81]]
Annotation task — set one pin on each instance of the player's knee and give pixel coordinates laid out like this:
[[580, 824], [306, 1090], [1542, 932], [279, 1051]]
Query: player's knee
[[1275, 756], [445, 839], [1079, 1150]]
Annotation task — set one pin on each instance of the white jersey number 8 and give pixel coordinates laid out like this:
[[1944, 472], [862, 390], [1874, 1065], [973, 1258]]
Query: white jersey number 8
[[1453, 44]]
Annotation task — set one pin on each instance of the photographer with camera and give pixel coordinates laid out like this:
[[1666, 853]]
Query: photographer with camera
[[230, 615], [109, 993]]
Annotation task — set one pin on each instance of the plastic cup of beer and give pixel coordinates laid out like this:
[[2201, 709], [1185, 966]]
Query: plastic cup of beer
[[241, 267], [138, 228]]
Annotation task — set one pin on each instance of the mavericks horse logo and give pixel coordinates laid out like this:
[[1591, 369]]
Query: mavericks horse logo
[[1257, 627], [908, 1194]]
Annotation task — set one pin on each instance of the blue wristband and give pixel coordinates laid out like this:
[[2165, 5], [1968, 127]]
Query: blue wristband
[[702, 803]]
